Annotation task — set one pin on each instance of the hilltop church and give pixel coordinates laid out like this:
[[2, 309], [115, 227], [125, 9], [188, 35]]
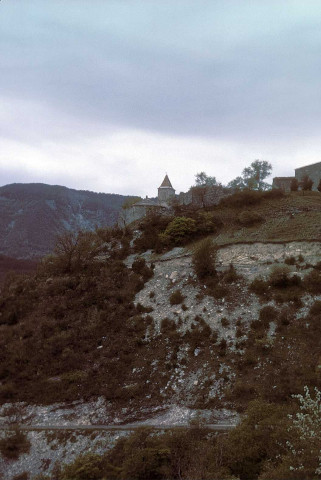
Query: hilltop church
[[161, 204]]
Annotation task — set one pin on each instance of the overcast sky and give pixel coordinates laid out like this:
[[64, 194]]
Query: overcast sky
[[109, 95]]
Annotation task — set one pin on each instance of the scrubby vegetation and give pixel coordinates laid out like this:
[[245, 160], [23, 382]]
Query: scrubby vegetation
[[272, 442], [204, 259], [72, 331], [176, 298], [245, 216], [14, 444]]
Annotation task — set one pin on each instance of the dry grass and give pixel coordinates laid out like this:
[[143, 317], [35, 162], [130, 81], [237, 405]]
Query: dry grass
[[292, 218]]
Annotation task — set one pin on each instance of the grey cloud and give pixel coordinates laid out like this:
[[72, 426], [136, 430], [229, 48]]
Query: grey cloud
[[262, 85]]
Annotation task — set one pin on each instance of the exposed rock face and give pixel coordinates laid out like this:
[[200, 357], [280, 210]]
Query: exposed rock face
[[32, 215]]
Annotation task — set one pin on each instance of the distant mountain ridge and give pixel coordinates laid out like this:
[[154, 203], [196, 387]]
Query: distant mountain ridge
[[33, 214]]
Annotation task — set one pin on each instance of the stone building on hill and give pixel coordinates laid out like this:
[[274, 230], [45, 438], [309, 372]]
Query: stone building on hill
[[160, 205], [282, 183], [198, 197], [313, 171], [166, 191]]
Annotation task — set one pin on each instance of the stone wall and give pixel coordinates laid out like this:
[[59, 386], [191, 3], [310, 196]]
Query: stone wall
[[283, 183], [129, 215], [313, 171], [203, 196]]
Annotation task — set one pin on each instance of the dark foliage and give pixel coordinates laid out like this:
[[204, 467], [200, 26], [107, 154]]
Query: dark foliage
[[204, 258], [14, 445], [176, 298], [67, 330]]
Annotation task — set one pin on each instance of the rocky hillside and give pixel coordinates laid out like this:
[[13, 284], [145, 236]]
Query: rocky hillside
[[32, 215], [111, 331]]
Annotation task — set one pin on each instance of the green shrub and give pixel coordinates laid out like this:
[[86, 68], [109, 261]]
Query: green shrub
[[206, 223], [14, 445], [179, 231], [85, 467], [204, 258], [176, 298], [249, 218]]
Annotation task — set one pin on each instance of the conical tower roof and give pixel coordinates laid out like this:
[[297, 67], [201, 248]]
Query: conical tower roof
[[166, 183]]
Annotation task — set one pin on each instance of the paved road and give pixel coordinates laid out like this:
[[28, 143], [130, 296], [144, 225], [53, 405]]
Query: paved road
[[215, 427]]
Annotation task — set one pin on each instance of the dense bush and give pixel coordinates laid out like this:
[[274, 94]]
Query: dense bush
[[207, 223], [180, 230], [14, 445], [204, 258], [248, 218], [139, 266], [85, 467], [176, 298], [151, 227]]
